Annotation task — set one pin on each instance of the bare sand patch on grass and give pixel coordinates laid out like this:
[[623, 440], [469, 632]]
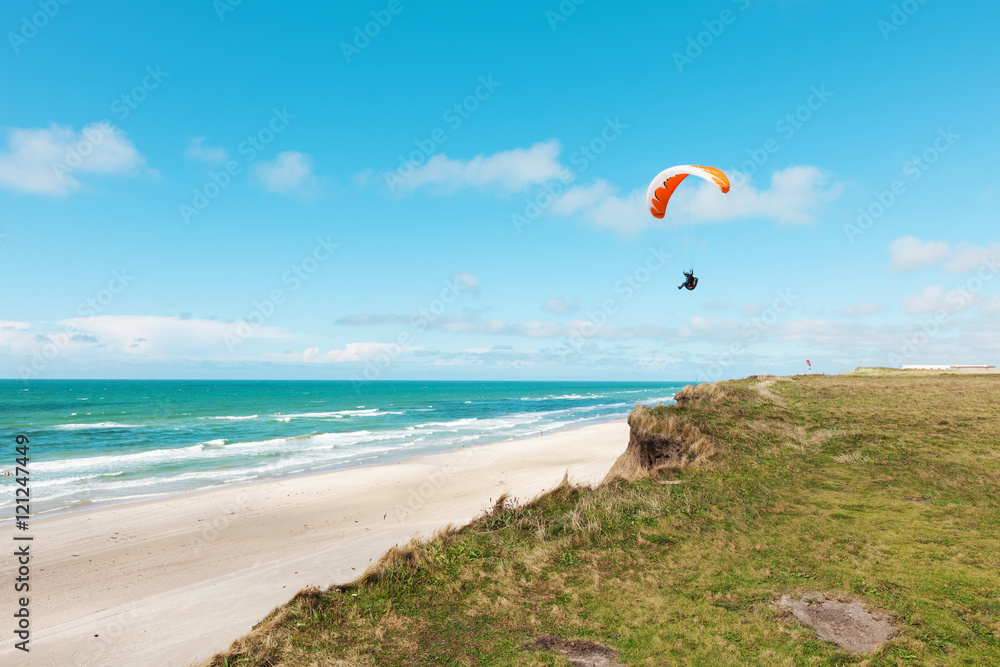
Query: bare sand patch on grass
[[847, 624], [580, 653]]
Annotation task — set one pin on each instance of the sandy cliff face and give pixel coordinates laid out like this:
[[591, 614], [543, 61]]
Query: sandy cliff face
[[658, 443], [652, 450]]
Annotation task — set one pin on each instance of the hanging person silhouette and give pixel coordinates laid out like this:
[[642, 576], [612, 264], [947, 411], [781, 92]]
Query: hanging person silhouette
[[690, 282]]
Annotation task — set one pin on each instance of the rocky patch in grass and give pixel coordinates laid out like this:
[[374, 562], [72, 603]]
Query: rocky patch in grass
[[847, 624]]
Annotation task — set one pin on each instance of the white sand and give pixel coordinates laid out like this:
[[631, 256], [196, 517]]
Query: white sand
[[173, 581]]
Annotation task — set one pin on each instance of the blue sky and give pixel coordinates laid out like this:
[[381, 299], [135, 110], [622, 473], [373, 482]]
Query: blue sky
[[251, 190]]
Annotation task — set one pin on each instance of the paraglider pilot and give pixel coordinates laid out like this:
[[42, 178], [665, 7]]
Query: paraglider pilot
[[690, 282]]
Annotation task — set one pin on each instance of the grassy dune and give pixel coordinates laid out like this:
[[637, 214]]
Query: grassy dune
[[879, 487]]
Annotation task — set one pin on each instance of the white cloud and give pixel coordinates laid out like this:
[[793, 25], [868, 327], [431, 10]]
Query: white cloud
[[990, 306], [47, 161], [466, 282], [510, 170], [794, 196], [910, 253], [850, 336], [709, 328], [103, 341], [969, 258], [166, 337], [289, 173], [717, 305], [14, 335], [558, 305], [539, 329], [861, 308], [473, 323], [626, 215], [579, 198], [363, 177], [199, 151], [587, 329], [354, 352], [369, 319], [934, 298]]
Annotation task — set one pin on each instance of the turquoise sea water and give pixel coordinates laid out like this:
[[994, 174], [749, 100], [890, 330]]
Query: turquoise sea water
[[103, 440]]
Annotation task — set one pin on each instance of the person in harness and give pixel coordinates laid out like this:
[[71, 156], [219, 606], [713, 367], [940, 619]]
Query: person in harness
[[690, 282]]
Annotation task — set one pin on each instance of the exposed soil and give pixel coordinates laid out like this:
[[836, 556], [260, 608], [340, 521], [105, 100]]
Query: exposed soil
[[656, 449], [847, 624], [580, 653]]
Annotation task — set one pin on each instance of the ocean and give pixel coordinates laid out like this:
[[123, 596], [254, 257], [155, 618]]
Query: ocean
[[98, 441]]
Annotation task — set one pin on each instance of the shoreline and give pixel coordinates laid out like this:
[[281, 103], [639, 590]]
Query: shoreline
[[392, 458], [173, 580]]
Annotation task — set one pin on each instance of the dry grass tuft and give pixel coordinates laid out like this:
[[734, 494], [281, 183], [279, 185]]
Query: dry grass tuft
[[398, 559], [711, 392], [851, 458], [790, 435], [817, 437], [503, 504], [764, 388], [265, 640]]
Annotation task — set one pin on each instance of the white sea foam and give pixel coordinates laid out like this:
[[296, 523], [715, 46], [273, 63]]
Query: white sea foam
[[566, 397], [81, 427], [664, 399], [257, 444], [137, 496], [112, 463], [234, 418], [331, 440], [335, 414], [310, 415], [37, 484]]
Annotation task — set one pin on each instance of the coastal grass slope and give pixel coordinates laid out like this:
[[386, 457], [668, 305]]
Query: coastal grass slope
[[880, 489]]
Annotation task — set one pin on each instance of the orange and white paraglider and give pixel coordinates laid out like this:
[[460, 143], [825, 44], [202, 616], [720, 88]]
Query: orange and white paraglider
[[661, 189]]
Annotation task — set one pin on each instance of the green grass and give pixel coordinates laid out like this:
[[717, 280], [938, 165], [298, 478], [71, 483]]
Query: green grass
[[881, 487]]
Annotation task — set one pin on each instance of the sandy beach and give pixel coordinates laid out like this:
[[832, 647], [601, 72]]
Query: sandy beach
[[172, 581]]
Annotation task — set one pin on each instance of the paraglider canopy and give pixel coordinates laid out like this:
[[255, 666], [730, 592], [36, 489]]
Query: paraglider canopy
[[662, 187]]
